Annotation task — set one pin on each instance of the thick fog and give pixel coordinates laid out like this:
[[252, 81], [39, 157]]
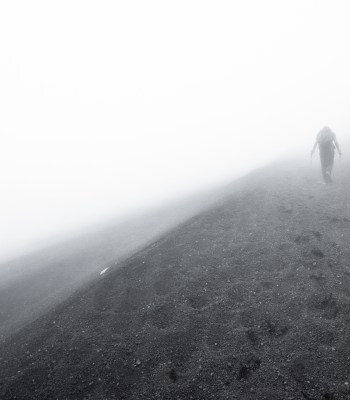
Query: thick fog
[[113, 107]]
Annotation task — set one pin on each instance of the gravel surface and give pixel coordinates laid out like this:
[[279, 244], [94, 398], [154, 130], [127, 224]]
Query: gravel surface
[[248, 300]]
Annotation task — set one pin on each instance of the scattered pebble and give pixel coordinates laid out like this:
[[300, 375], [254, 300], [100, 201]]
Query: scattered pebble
[[104, 270]]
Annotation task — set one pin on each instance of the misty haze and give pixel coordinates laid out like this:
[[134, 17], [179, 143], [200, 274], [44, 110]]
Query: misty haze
[[175, 200]]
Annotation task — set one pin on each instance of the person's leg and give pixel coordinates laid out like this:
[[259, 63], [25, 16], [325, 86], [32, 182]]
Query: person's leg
[[329, 161], [323, 158]]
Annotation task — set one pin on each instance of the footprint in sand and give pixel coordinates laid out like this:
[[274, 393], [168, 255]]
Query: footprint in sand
[[253, 337], [285, 210], [330, 307], [327, 305], [318, 278], [173, 375], [317, 253], [329, 396], [247, 368], [307, 236], [266, 285], [298, 369], [276, 329], [197, 302], [316, 234], [336, 220]]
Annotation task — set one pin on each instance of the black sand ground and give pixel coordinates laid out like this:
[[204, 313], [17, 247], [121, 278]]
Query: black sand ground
[[249, 300], [31, 285]]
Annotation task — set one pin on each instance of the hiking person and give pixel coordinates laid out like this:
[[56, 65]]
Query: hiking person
[[327, 142]]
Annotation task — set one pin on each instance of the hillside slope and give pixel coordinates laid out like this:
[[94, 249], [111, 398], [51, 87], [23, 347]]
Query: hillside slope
[[32, 284], [248, 300]]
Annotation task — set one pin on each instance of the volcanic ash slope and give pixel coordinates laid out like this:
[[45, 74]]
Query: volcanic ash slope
[[248, 300]]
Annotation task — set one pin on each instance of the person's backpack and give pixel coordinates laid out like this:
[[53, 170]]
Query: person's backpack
[[325, 138]]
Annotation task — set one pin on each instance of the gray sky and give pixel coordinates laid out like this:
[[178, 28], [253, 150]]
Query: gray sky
[[108, 107]]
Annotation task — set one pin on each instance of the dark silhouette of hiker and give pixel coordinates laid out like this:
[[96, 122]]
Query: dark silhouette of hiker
[[327, 142]]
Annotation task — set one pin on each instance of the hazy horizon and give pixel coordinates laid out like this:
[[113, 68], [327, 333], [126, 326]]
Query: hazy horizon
[[112, 108]]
